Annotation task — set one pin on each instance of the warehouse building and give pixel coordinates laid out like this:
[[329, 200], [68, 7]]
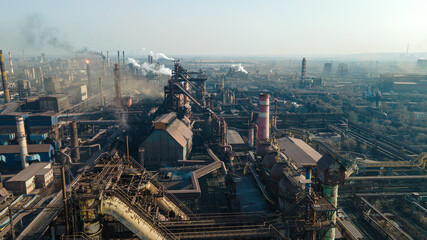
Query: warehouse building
[[37, 175], [170, 141]]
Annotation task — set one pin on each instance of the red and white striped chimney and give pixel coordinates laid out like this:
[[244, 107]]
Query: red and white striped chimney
[[264, 117]]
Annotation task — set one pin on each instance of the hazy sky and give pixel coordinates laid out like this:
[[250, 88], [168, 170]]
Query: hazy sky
[[216, 27]]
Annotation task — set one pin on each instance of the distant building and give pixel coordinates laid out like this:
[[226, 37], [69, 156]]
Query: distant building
[[52, 85], [170, 141], [38, 175], [420, 116], [327, 69], [54, 102]]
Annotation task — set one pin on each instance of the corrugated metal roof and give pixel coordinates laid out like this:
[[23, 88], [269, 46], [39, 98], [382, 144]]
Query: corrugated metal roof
[[29, 172], [180, 132], [165, 118], [32, 148], [299, 152], [325, 161], [233, 137]]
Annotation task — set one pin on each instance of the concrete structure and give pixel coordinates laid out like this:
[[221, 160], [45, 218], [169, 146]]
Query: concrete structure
[[36, 175], [54, 102], [170, 141], [52, 85], [22, 140]]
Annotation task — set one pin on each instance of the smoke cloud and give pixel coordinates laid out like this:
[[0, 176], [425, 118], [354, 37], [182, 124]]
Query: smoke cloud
[[37, 35], [157, 56], [239, 68], [146, 68]]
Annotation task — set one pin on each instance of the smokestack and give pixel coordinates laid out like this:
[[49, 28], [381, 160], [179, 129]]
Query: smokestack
[[303, 73], [108, 60], [88, 77], [118, 98], [264, 117], [75, 153], [118, 57], [22, 140], [4, 78], [251, 136], [123, 56], [100, 92], [11, 63]]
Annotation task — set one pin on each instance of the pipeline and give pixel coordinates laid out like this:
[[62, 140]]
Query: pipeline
[[142, 227]]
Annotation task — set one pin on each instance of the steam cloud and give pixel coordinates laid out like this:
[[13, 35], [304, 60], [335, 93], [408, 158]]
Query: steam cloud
[[37, 35], [146, 68], [157, 56], [239, 68]]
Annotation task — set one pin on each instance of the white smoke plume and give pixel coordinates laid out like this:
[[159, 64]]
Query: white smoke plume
[[239, 68], [146, 68], [157, 56]]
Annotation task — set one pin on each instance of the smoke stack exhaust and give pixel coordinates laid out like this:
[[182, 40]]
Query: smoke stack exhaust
[[4, 78], [303, 73], [22, 140], [118, 98], [11, 63], [264, 117]]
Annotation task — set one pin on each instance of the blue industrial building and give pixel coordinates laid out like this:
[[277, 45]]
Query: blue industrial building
[[10, 154]]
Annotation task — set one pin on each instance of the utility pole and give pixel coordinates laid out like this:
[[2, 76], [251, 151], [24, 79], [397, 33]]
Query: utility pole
[[64, 198], [12, 230]]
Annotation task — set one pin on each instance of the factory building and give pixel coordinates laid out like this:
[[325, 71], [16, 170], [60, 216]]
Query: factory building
[[52, 85], [170, 141], [10, 154], [54, 102], [37, 175]]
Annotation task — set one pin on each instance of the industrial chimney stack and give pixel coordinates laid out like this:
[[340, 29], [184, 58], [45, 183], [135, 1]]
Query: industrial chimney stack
[[4, 78], [264, 117], [303, 73], [118, 98], [22, 139], [11, 63], [89, 85]]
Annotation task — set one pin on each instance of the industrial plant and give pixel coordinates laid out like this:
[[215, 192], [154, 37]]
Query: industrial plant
[[100, 143]]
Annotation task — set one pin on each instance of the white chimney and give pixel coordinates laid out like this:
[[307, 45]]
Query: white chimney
[[22, 141]]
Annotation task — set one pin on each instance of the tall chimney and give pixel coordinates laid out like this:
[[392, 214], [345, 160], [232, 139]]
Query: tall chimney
[[89, 85], [303, 73], [22, 140], [108, 60], [100, 92], [264, 117], [118, 98], [123, 56], [118, 57], [75, 153], [11, 63], [4, 78]]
